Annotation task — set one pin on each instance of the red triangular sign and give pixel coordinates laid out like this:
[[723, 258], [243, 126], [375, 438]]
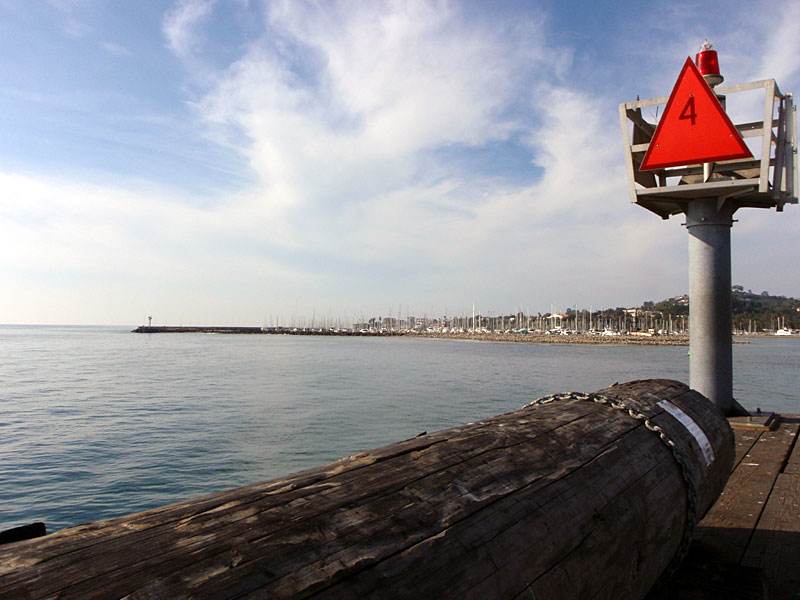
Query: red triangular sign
[[694, 127]]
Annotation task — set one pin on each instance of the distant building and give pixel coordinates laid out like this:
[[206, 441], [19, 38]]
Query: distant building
[[556, 317]]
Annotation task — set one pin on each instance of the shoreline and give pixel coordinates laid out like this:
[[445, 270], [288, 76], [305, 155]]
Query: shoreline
[[523, 338], [578, 338], [630, 339]]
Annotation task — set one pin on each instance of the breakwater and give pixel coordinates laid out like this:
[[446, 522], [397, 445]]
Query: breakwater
[[632, 339], [261, 330], [577, 338]]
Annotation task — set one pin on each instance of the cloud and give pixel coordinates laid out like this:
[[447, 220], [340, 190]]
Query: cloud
[[340, 108], [115, 50], [62, 240], [781, 57], [182, 25], [348, 116], [406, 152]]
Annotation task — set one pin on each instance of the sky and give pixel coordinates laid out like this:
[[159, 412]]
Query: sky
[[241, 162]]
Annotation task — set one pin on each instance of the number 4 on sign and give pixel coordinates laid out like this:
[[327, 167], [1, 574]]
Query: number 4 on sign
[[694, 127], [688, 111]]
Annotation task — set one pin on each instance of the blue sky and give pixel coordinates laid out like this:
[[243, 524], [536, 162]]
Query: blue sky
[[228, 162]]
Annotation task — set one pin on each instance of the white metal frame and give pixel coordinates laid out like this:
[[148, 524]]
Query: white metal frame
[[765, 182]]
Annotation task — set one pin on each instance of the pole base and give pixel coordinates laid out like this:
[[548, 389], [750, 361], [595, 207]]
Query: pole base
[[737, 410]]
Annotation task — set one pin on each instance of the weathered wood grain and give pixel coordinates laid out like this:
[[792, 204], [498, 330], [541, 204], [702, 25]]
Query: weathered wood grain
[[273, 504], [745, 439], [793, 463], [727, 528], [775, 545], [569, 499]]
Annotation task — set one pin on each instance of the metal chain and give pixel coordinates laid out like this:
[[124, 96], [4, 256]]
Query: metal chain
[[677, 454]]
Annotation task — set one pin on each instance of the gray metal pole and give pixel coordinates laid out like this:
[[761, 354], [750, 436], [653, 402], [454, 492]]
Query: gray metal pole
[[710, 320]]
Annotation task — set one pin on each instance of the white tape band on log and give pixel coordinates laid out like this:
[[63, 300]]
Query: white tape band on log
[[691, 427]]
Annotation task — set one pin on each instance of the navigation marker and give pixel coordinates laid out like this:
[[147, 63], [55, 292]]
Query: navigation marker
[[694, 128]]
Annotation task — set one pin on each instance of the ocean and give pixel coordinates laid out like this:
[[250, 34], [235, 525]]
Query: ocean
[[98, 422]]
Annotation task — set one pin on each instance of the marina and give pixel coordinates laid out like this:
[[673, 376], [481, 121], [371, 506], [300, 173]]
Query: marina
[[482, 335], [605, 337]]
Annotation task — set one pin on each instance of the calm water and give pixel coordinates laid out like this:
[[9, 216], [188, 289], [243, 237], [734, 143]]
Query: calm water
[[99, 422]]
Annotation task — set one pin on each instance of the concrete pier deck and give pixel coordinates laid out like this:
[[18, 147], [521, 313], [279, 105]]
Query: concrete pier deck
[[748, 545]]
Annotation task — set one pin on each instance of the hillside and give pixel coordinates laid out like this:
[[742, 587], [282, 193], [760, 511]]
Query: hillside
[[751, 312]]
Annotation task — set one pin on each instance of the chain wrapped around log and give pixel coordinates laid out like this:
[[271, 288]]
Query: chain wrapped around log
[[561, 499]]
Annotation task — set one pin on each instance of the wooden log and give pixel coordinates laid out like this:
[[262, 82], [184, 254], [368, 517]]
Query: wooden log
[[570, 499]]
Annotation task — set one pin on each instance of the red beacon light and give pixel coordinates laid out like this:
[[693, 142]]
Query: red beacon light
[[708, 64]]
